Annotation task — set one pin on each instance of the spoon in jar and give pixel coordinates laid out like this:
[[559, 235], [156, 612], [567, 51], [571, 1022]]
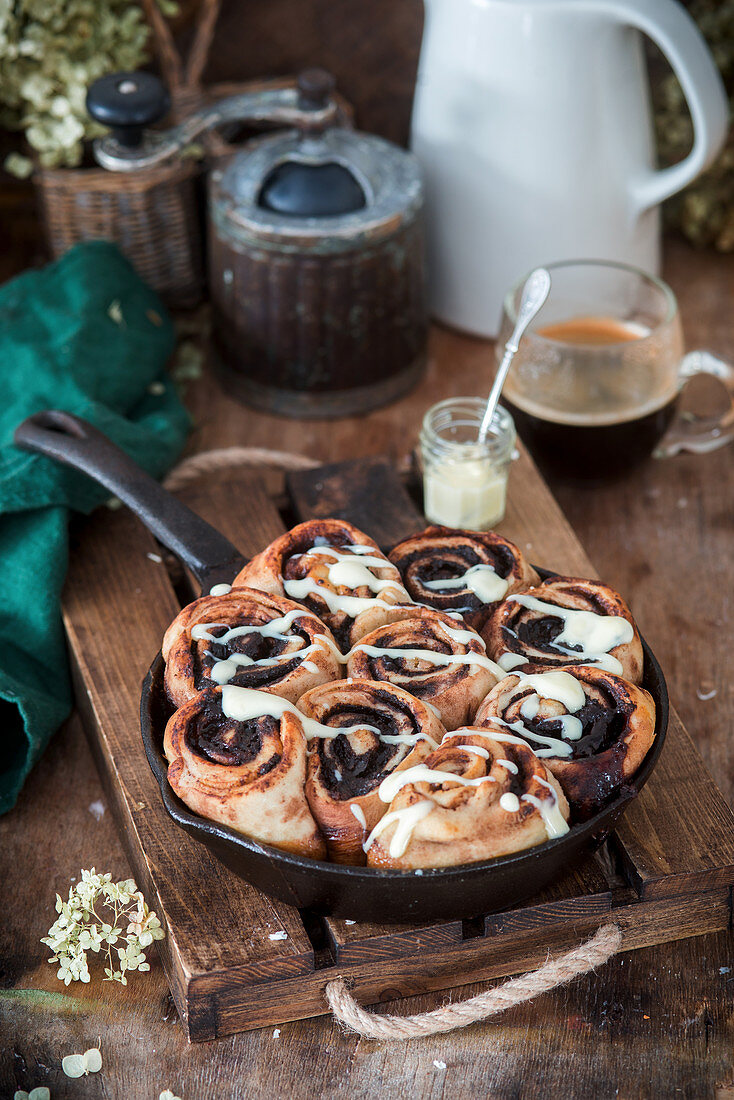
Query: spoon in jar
[[534, 294]]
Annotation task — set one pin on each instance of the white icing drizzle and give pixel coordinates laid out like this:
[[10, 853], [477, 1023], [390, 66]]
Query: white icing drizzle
[[220, 589], [554, 747], [351, 605], [594, 635], [480, 579], [243, 704], [571, 727], [561, 686], [430, 656], [420, 773], [347, 573], [476, 750], [358, 812], [406, 819], [223, 671], [508, 661], [508, 764], [554, 821], [510, 802]]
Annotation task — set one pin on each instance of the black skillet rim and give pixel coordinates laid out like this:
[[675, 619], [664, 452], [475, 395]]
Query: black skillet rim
[[653, 680]]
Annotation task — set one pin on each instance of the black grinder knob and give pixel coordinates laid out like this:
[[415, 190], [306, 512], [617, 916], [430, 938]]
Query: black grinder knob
[[127, 103], [299, 189]]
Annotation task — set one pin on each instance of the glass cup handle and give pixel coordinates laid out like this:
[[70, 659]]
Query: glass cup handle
[[704, 434]]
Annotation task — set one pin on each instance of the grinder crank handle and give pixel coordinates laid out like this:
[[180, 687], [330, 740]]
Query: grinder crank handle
[[70, 440], [129, 102]]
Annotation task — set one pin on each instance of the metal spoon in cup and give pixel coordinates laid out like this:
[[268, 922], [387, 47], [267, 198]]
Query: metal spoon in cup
[[534, 294]]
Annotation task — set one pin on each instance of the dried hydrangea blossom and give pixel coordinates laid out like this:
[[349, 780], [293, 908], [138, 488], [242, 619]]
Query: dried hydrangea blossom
[[79, 1065], [102, 916], [50, 52]]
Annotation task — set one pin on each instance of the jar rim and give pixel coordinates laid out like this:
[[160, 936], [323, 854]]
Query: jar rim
[[498, 443]]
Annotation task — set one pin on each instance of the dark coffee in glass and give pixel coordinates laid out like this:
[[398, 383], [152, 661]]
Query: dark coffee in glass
[[594, 385]]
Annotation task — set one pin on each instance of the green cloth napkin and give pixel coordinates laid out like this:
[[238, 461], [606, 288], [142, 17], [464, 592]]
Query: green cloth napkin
[[85, 335]]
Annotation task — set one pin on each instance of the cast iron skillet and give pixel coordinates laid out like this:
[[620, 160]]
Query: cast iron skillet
[[325, 888]]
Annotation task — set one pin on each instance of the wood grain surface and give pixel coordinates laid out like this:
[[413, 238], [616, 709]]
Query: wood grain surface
[[654, 1023]]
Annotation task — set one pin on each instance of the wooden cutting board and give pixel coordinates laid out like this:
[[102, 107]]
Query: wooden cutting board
[[665, 874]]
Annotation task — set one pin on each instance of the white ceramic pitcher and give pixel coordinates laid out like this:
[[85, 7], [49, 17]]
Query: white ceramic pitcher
[[532, 121]]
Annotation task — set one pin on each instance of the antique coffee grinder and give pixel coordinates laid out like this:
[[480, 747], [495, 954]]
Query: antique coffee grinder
[[316, 255]]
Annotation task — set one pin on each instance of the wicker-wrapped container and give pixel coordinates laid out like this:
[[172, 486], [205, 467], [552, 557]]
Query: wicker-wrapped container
[[152, 215]]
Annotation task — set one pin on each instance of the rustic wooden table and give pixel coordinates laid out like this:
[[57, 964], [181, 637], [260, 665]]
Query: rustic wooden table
[[653, 1023]]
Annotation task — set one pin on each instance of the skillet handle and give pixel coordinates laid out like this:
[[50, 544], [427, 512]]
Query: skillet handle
[[68, 439]]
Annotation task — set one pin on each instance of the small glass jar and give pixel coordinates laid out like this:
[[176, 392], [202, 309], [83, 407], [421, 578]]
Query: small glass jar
[[464, 481]]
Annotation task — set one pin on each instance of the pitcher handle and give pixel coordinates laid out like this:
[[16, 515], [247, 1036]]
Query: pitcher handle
[[671, 28]]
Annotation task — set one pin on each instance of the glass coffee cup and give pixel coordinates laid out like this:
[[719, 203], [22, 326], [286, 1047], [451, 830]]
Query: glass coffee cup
[[595, 384]]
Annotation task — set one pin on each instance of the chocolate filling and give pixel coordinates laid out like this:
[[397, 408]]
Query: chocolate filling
[[221, 740], [426, 680], [360, 772], [603, 727], [255, 646], [434, 563], [542, 632]]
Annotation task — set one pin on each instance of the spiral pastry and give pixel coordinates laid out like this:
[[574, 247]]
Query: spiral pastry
[[251, 639], [462, 571], [362, 732], [335, 571], [591, 728], [566, 621], [474, 798], [434, 657], [238, 757]]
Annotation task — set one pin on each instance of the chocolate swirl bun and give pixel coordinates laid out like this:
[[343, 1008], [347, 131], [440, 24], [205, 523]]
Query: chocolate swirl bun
[[243, 764], [434, 657], [474, 798], [251, 639], [363, 731], [463, 571], [335, 571], [566, 621], [591, 728]]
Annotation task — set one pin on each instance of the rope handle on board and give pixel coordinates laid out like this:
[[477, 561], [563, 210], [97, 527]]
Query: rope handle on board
[[207, 461], [580, 960]]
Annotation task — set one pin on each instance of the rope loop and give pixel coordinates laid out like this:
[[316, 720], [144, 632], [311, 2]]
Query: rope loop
[[207, 462], [556, 972]]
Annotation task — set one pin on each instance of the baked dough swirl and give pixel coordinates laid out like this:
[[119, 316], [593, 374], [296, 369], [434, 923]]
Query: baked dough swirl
[[591, 728], [563, 621], [376, 729], [335, 571], [463, 571], [476, 797], [244, 767], [434, 657], [250, 639]]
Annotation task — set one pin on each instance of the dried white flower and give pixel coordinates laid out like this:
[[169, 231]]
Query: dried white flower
[[40, 1092], [168, 1095], [102, 915], [79, 1065]]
